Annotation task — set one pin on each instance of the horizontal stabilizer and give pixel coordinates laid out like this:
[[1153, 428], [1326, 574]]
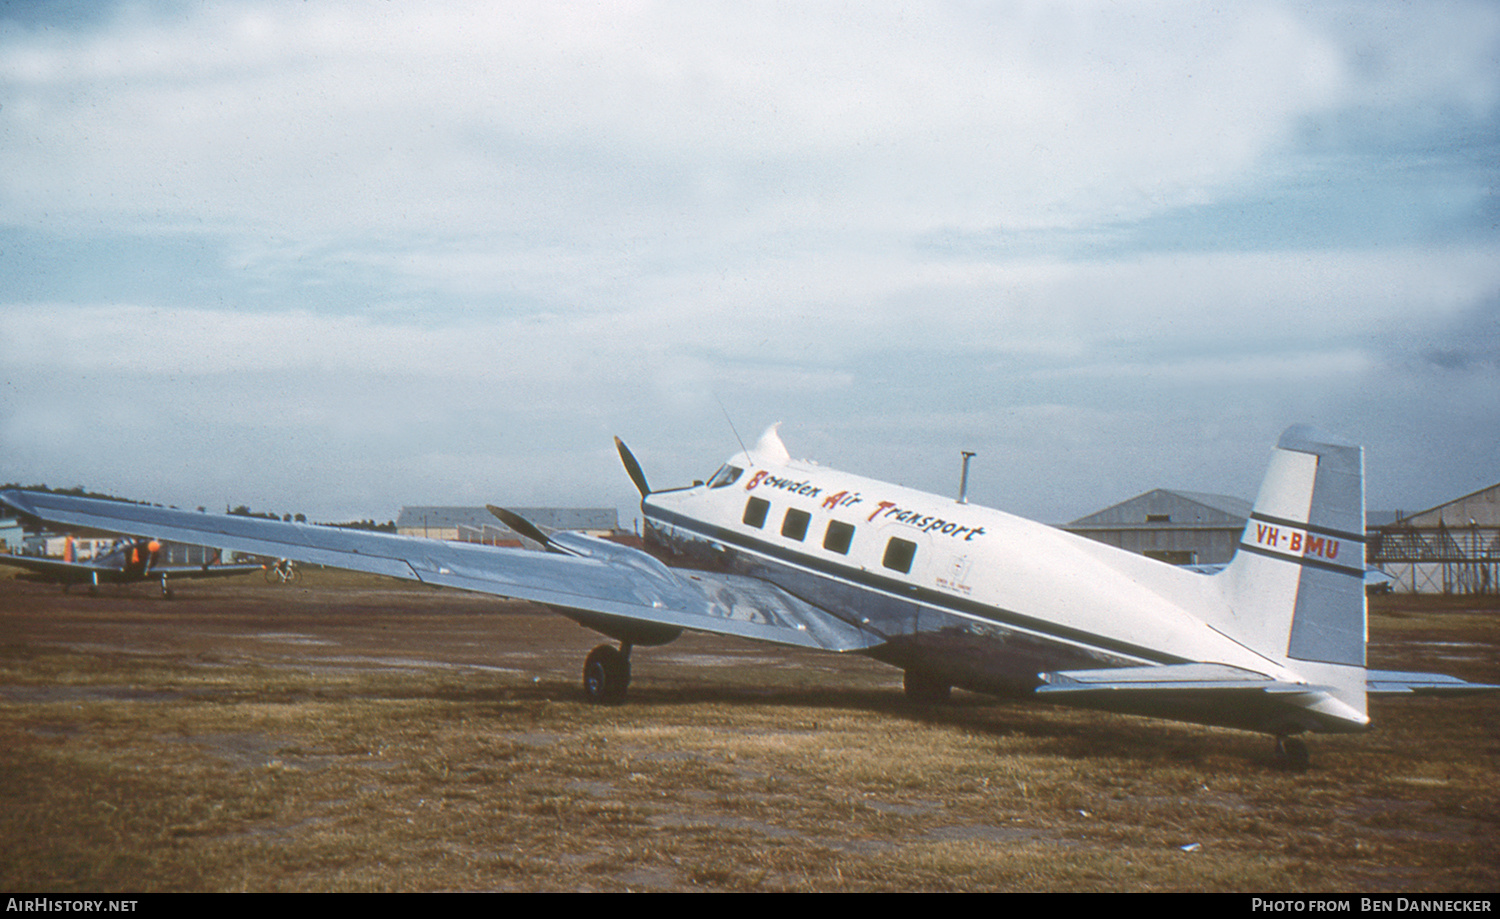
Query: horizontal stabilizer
[[1207, 694], [1168, 678], [1397, 682]]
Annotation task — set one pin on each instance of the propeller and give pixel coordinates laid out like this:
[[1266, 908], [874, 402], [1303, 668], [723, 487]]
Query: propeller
[[632, 468], [526, 528]]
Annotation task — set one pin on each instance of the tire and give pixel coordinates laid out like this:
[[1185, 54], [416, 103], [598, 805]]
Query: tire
[[606, 676], [1292, 755]]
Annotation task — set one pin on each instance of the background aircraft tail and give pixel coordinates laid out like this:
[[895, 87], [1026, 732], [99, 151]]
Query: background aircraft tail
[[1295, 588]]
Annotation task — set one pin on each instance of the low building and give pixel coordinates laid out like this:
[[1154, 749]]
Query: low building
[[12, 536], [1180, 527], [477, 524]]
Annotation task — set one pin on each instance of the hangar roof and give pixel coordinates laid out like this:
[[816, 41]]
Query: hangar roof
[[1175, 509], [1481, 507]]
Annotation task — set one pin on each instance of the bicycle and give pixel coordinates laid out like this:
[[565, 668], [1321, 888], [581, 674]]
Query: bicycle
[[282, 572]]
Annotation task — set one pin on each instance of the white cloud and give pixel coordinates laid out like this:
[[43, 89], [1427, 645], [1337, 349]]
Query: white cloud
[[810, 321], [311, 118]]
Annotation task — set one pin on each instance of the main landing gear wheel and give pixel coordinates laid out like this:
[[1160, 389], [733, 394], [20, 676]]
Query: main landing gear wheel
[[925, 689], [606, 675], [1291, 754]]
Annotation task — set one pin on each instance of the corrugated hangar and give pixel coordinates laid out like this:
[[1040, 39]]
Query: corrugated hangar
[[1453, 548], [477, 524], [1181, 527]]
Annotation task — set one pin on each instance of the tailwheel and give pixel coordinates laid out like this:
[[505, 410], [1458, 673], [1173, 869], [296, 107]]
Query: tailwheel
[[1291, 754], [920, 687], [606, 675], [166, 592]]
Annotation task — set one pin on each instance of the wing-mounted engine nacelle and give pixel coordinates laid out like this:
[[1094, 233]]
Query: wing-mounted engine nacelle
[[627, 632], [612, 553]]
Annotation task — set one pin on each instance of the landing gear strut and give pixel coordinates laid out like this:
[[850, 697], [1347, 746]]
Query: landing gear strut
[[606, 674], [1291, 754], [925, 689]]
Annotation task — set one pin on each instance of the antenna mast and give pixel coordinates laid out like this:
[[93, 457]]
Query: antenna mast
[[963, 482]]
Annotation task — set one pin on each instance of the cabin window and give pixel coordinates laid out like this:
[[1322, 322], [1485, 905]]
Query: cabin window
[[794, 525], [727, 475], [755, 512], [838, 537], [898, 555]]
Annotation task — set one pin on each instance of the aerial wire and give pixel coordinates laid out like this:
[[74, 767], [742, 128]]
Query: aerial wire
[[732, 428]]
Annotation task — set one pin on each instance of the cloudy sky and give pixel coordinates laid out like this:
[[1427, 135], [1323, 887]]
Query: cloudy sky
[[338, 257]]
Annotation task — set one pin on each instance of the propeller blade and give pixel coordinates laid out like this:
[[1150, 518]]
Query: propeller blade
[[632, 468], [525, 528]]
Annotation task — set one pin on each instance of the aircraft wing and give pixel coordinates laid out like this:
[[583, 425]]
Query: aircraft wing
[[78, 572], [58, 570], [612, 583], [193, 572]]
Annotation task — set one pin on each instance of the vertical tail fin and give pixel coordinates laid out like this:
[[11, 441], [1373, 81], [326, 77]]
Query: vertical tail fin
[[1296, 585]]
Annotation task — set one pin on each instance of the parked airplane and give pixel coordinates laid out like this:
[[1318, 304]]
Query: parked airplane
[[954, 594], [130, 562]]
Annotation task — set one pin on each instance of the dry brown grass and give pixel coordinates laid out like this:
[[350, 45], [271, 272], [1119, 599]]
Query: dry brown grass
[[353, 734]]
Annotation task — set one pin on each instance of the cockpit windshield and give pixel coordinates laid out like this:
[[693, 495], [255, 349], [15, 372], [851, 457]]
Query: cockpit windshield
[[727, 475]]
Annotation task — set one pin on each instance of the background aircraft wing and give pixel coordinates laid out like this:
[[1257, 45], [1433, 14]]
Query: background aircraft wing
[[56, 569], [611, 583], [191, 572]]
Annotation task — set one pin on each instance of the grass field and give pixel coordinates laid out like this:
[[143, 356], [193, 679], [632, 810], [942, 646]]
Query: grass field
[[351, 733]]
